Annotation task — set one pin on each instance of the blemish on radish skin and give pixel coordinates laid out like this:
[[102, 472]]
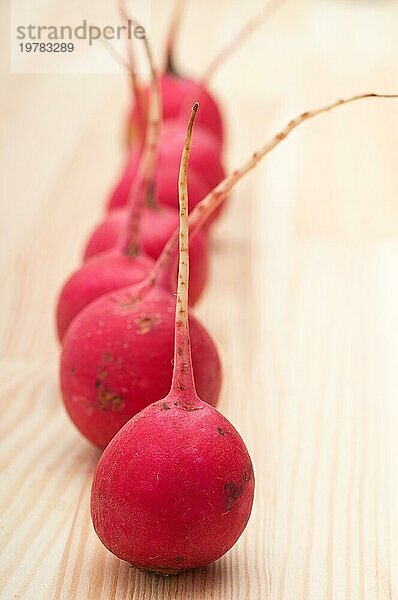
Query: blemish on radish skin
[[131, 304], [146, 323], [233, 491], [108, 400], [220, 431]]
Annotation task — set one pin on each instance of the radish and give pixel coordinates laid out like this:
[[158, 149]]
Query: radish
[[164, 184], [206, 168], [205, 171], [98, 276], [174, 489], [117, 353], [157, 225], [179, 92], [117, 359]]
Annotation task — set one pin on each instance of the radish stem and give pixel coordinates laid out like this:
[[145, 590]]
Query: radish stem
[[183, 373]]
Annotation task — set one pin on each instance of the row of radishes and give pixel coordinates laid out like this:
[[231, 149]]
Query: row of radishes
[[174, 487]]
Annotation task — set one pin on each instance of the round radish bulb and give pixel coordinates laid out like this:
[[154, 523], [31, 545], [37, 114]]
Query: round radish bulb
[[179, 91], [177, 94], [204, 162], [157, 225], [117, 358], [206, 169], [98, 276], [165, 184], [166, 187], [174, 489], [105, 236]]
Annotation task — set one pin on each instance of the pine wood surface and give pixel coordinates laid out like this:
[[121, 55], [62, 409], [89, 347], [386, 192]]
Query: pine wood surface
[[302, 303]]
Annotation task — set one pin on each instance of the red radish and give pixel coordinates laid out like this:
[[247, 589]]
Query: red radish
[[157, 225], [117, 353], [178, 92], [117, 359], [205, 160], [174, 489], [206, 169], [126, 264], [164, 184], [98, 276]]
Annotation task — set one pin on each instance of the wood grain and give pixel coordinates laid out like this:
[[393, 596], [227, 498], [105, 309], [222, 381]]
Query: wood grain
[[302, 303]]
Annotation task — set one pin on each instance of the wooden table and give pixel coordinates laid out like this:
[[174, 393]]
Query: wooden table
[[302, 302]]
